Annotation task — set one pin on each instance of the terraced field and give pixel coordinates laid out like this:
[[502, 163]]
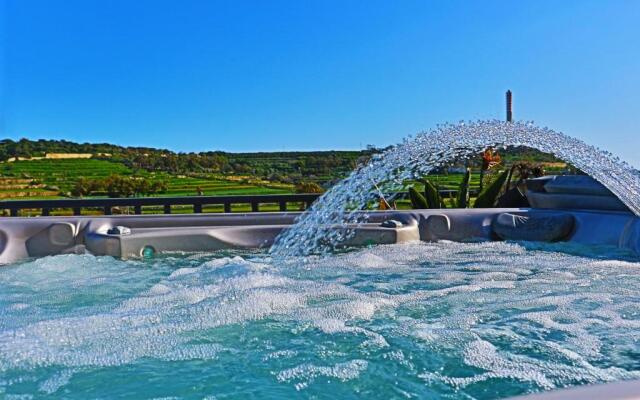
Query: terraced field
[[54, 178], [49, 178]]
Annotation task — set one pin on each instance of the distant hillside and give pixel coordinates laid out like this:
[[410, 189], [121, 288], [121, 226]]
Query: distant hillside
[[51, 168], [277, 166]]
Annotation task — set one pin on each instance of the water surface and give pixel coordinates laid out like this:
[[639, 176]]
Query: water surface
[[422, 320]]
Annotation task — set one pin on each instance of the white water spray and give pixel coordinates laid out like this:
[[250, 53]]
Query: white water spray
[[314, 231]]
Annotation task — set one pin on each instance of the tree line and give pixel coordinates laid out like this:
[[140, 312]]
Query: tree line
[[324, 167], [287, 167]]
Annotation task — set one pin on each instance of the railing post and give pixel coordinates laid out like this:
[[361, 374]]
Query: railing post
[[307, 204], [255, 206], [197, 208], [13, 212], [77, 211], [227, 207], [137, 209], [167, 208], [107, 210], [283, 205], [45, 212]]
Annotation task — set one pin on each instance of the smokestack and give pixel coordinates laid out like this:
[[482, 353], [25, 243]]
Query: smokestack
[[509, 107]]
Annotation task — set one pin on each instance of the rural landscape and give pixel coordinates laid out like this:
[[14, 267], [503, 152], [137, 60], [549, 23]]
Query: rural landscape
[[377, 200], [58, 169]]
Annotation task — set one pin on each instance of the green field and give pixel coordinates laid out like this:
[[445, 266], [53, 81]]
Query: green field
[[37, 169], [39, 179], [247, 174], [50, 179]]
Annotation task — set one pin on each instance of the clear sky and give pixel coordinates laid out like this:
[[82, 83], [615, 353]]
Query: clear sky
[[302, 75]]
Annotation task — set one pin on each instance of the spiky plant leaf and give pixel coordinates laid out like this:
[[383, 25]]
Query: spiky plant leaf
[[488, 197], [417, 199], [431, 194], [463, 191]]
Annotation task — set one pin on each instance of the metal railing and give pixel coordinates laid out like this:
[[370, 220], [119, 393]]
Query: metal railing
[[107, 205], [197, 202]]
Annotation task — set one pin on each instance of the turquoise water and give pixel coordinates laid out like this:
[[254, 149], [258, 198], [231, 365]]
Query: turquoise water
[[422, 320]]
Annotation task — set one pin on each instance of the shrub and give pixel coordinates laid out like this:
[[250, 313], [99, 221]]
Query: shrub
[[309, 187]]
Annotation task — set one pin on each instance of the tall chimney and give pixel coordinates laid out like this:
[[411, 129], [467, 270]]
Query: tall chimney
[[509, 107]]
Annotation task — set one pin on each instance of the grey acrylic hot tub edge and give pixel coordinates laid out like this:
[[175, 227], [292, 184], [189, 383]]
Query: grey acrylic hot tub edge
[[22, 238]]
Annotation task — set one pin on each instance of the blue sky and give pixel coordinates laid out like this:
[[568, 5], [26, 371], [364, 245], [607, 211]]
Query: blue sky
[[303, 75]]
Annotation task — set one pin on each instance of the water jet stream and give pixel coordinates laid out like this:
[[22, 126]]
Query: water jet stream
[[313, 232]]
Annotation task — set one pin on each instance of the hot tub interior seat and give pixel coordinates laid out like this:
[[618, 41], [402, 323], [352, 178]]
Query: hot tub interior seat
[[572, 192], [203, 238]]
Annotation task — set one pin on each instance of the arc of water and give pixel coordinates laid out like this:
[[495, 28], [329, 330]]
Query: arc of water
[[314, 231]]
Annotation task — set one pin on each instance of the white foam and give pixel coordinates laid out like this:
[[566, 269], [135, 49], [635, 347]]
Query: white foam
[[433, 298], [306, 373], [183, 271], [58, 380]]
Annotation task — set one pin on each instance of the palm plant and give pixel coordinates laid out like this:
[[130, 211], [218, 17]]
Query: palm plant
[[463, 191], [431, 198], [488, 197]]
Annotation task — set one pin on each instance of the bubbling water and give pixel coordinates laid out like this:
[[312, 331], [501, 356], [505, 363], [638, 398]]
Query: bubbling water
[[314, 231]]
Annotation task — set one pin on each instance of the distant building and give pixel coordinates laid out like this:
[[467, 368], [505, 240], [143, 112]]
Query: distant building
[[59, 156]]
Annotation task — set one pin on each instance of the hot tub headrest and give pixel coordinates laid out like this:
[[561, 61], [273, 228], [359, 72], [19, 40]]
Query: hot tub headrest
[[571, 184], [537, 227]]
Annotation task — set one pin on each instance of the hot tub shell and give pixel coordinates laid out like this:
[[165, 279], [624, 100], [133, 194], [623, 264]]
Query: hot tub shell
[[22, 238], [589, 216]]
